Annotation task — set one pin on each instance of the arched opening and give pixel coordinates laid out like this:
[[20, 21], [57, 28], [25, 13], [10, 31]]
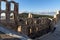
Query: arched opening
[[36, 29], [19, 28], [12, 16], [38, 21], [12, 6], [3, 5], [30, 30], [26, 22], [35, 21], [3, 16]]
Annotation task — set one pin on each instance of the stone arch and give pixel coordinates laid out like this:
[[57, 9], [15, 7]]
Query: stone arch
[[37, 29], [29, 30], [12, 17], [30, 21], [35, 21], [3, 16], [19, 28], [12, 6], [38, 21], [3, 5]]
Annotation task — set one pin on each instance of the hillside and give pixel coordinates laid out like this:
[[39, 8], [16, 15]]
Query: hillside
[[25, 15]]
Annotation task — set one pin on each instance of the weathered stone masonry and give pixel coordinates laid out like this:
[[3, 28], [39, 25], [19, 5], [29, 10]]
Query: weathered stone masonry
[[27, 25], [8, 11], [34, 25]]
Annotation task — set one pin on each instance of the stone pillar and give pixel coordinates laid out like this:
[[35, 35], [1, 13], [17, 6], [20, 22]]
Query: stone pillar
[[16, 13], [7, 11]]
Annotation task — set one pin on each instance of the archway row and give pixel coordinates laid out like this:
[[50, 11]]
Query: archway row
[[3, 16], [3, 5]]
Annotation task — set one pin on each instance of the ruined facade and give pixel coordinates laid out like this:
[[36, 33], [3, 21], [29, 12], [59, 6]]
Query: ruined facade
[[8, 12], [30, 26], [23, 25]]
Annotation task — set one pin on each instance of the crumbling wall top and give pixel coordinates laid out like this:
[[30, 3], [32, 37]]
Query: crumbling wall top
[[12, 2], [3, 0]]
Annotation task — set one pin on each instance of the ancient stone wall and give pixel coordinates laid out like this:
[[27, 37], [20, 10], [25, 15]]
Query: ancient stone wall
[[28, 25], [8, 12], [34, 25]]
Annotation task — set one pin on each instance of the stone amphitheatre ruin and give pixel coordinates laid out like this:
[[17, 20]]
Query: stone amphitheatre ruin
[[28, 26]]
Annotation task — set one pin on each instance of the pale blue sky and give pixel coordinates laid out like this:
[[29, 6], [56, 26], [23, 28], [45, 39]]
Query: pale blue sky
[[38, 5]]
